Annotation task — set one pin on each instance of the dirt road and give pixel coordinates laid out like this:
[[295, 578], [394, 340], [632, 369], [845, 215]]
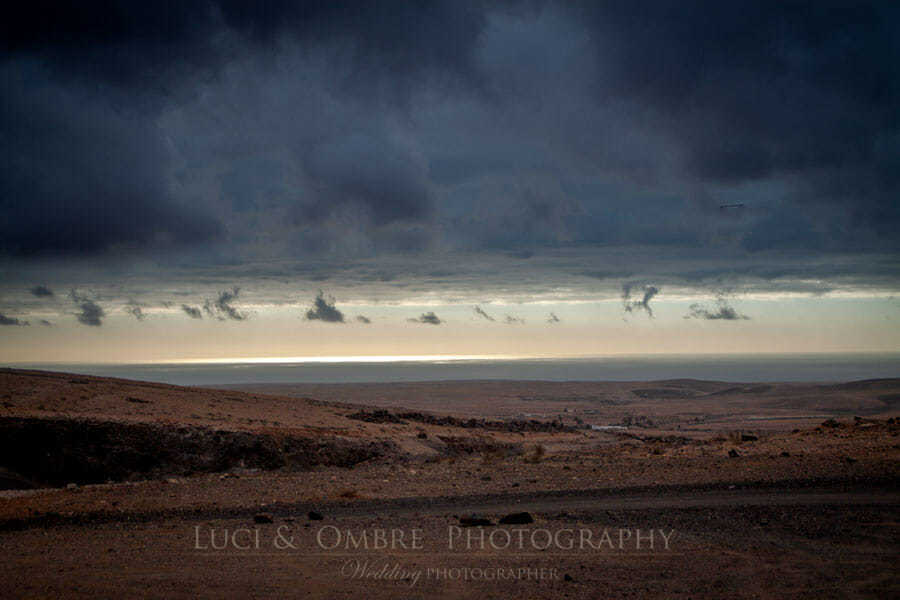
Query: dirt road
[[837, 539]]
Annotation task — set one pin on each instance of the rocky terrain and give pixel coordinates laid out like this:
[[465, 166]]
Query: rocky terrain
[[115, 487]]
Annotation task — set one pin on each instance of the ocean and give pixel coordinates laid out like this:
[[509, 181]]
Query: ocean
[[736, 368]]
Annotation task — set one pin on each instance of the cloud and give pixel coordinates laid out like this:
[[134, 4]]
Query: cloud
[[363, 319], [323, 309], [192, 311], [221, 307], [631, 306], [41, 291], [721, 312], [553, 318], [346, 131], [134, 309], [478, 311], [510, 320], [91, 314], [4, 320], [428, 318]]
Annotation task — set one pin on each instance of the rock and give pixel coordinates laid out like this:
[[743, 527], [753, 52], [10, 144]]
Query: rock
[[733, 453], [850, 461], [263, 518], [314, 516], [486, 478], [746, 437], [422, 435], [567, 577], [830, 423], [520, 518], [172, 480], [785, 454], [72, 486], [474, 521]]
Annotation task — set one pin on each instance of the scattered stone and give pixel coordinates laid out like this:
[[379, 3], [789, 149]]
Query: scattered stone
[[263, 518], [172, 480], [785, 454], [314, 516], [474, 521], [422, 435], [830, 423], [521, 518], [138, 400], [733, 453], [746, 437], [850, 460], [567, 577], [486, 478]]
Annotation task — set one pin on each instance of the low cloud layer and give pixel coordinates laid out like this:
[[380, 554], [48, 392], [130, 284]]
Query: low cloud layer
[[192, 311], [11, 321], [643, 304], [90, 313], [134, 309], [41, 291], [324, 309], [221, 308], [481, 313], [428, 318], [722, 311]]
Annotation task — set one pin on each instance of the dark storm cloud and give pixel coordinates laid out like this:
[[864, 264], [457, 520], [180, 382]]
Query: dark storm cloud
[[323, 309], [755, 90], [631, 306], [721, 312], [86, 167], [428, 318], [221, 308], [11, 321], [41, 291], [480, 312], [120, 43], [553, 318], [80, 174], [192, 311], [363, 319], [511, 128], [91, 313]]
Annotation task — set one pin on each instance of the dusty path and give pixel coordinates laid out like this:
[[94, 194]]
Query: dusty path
[[815, 541], [835, 493]]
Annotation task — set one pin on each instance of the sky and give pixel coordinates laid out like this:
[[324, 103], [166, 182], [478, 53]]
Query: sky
[[221, 179]]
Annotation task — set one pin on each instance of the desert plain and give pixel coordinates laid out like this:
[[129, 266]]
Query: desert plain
[[457, 489]]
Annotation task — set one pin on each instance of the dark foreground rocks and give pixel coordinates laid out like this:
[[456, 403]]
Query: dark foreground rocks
[[58, 451], [520, 518]]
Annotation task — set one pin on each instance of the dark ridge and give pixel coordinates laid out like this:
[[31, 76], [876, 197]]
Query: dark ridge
[[57, 452]]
